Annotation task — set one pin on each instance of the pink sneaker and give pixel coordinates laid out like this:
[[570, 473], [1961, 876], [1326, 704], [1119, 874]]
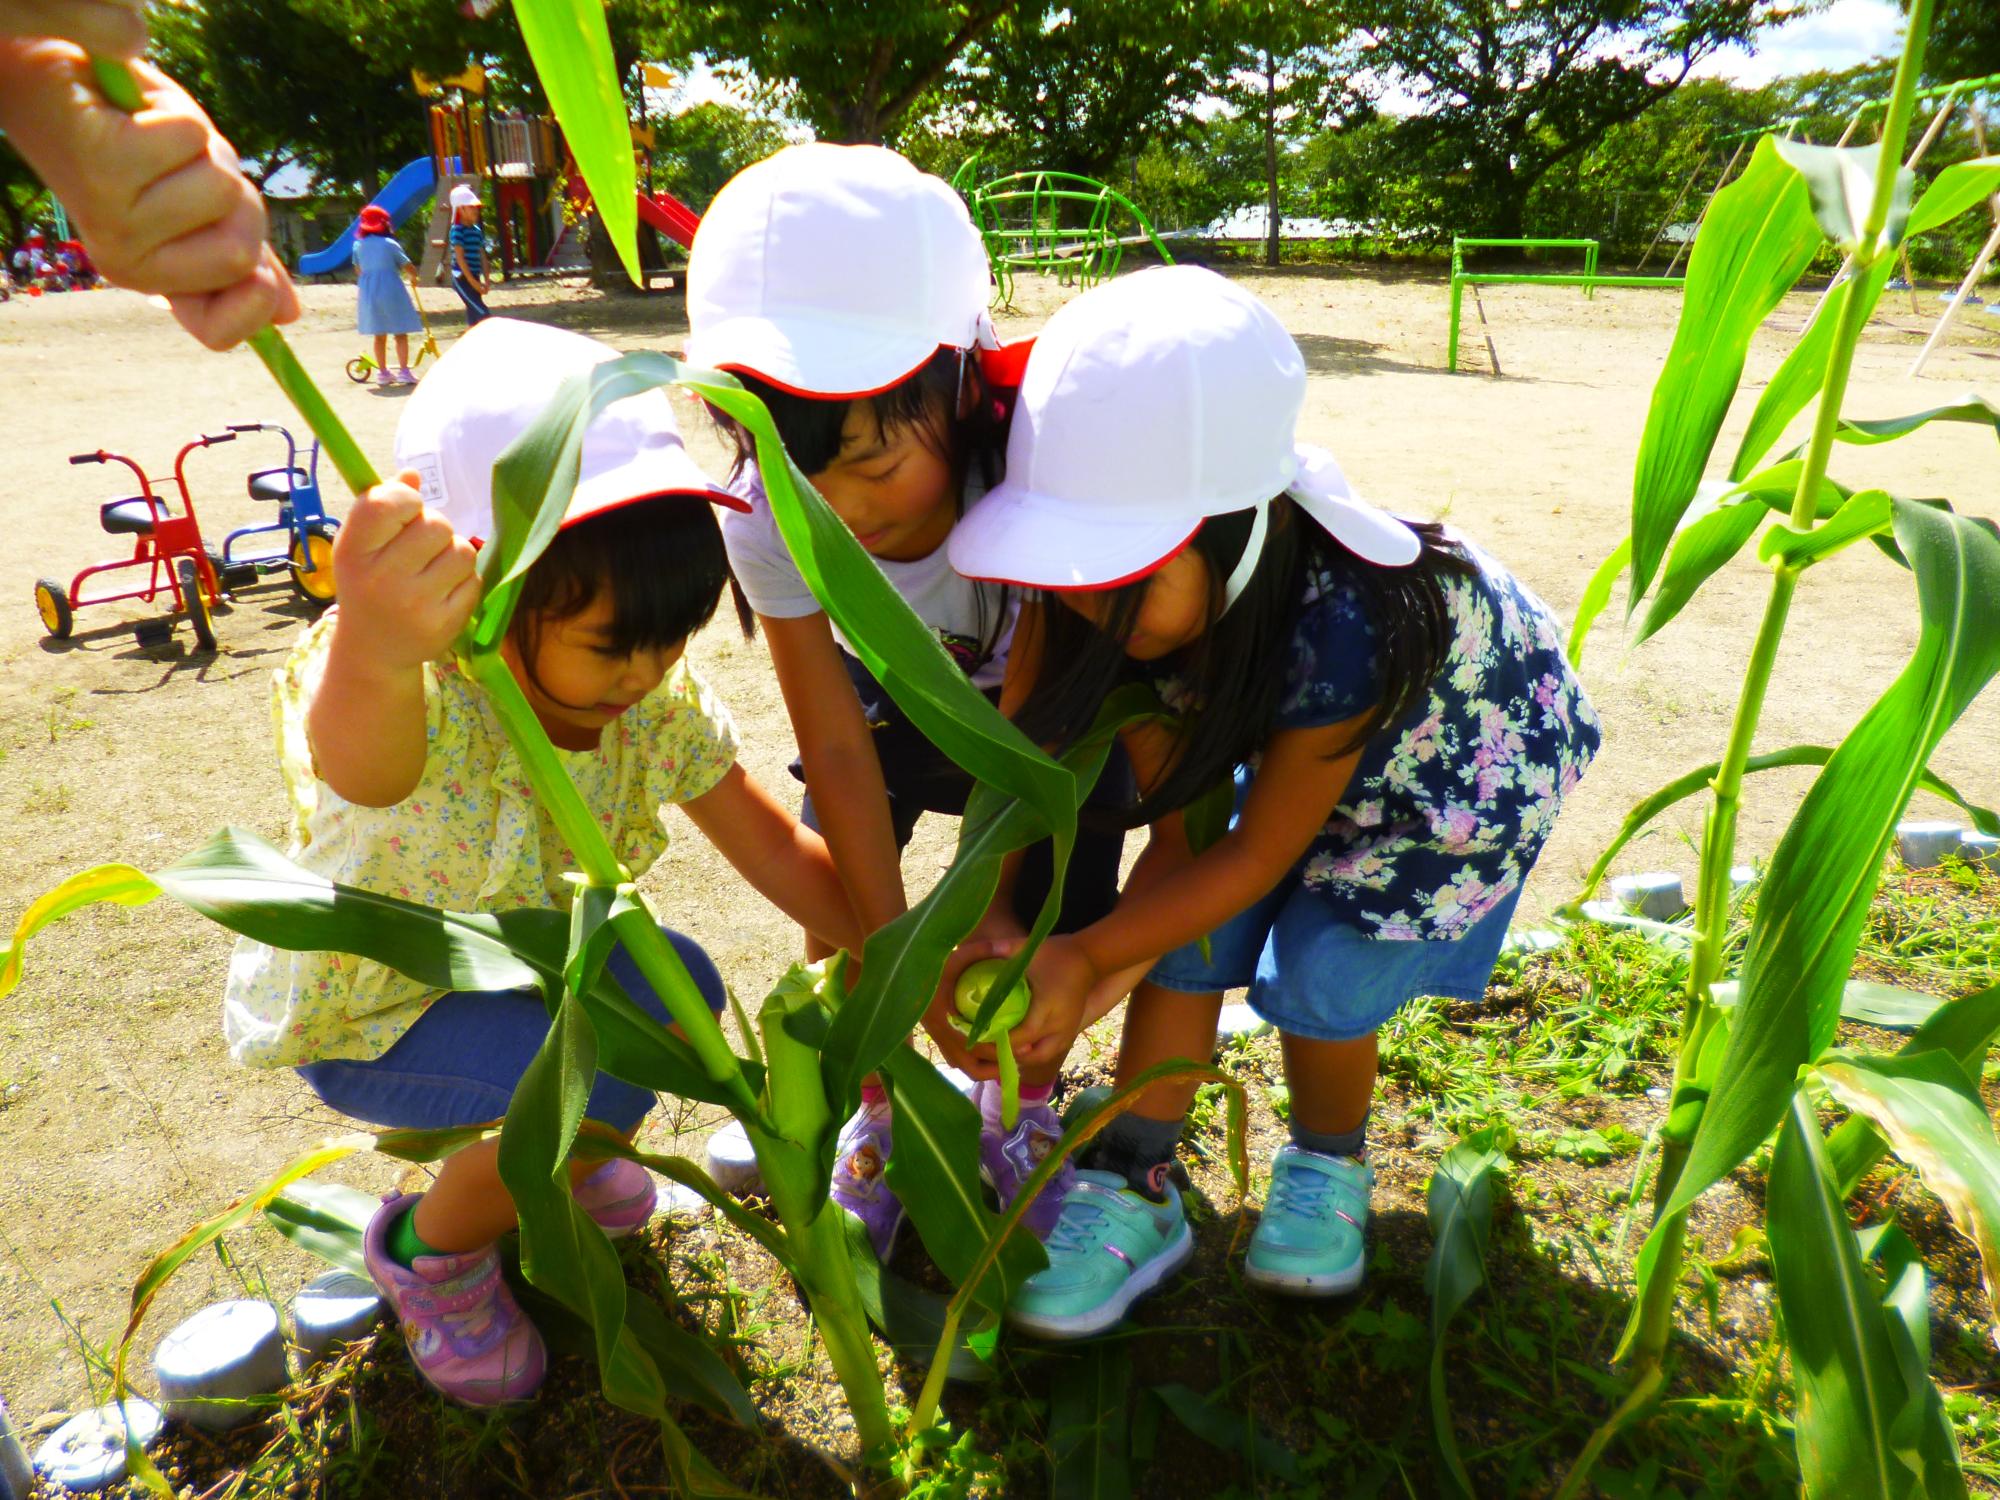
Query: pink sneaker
[[406, 376], [383, 377], [1006, 1157], [620, 1196], [466, 1334]]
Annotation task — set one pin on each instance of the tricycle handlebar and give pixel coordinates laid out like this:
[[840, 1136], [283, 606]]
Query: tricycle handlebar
[[87, 458]]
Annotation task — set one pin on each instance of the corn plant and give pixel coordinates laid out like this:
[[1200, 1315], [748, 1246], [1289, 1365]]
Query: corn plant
[[816, 1037], [1870, 1421]]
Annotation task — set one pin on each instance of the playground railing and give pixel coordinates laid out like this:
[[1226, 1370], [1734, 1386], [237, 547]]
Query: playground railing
[[1589, 279]]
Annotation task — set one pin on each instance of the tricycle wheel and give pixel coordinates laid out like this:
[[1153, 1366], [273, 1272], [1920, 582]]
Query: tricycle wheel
[[52, 604], [360, 368], [197, 603], [312, 568]]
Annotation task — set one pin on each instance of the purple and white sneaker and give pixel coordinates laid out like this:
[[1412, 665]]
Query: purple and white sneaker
[[464, 1330], [859, 1182], [1006, 1157], [620, 1195]]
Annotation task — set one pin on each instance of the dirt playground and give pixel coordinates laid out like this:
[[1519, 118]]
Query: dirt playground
[[122, 1121]]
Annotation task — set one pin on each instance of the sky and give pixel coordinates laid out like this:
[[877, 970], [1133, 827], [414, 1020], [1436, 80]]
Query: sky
[[1845, 33]]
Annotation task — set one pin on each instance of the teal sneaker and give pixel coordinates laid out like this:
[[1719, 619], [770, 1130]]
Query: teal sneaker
[[1309, 1241], [1109, 1248]]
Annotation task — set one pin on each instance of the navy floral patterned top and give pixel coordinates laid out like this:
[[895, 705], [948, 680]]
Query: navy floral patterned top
[[1450, 805]]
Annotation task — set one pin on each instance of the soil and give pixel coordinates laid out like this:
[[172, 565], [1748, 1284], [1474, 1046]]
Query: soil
[[122, 1121]]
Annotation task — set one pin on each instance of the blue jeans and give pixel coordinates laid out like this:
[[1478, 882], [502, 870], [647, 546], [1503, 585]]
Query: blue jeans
[[476, 310], [461, 1061]]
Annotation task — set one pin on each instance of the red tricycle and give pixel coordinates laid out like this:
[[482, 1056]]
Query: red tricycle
[[168, 546]]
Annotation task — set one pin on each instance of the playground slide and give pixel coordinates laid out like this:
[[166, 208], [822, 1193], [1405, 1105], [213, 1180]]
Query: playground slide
[[406, 190], [666, 213]]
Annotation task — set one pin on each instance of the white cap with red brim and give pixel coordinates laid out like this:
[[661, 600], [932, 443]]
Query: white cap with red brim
[[492, 385], [834, 271], [1148, 405]]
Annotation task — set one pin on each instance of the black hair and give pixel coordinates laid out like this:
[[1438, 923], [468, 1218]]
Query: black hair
[[661, 558], [932, 400], [1235, 670]]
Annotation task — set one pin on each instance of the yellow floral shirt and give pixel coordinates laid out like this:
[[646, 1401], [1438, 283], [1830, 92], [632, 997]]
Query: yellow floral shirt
[[471, 837]]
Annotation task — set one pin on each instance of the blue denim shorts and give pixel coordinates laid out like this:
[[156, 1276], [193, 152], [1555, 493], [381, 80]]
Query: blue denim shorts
[[461, 1061], [1312, 975]]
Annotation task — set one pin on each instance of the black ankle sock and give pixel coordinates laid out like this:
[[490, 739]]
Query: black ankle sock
[[1139, 1150], [1339, 1143]]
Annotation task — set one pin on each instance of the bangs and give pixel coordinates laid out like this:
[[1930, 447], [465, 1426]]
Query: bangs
[[661, 559], [811, 427]]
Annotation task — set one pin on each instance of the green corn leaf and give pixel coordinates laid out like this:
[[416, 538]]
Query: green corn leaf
[[1964, 1030], [1867, 513], [1841, 180], [1712, 531], [1756, 239], [1862, 1000], [570, 43], [1798, 379], [1460, 1207], [1090, 1423], [1229, 1431], [1814, 899], [934, 1170], [1930, 1111], [123, 885], [1859, 1415], [1970, 408], [1906, 1300], [1597, 595], [324, 1219], [1695, 781], [911, 1317]]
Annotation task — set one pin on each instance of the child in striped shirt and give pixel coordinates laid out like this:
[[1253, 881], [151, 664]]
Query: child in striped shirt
[[468, 254]]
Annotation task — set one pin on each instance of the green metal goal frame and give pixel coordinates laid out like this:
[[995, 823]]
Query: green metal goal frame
[[1589, 280]]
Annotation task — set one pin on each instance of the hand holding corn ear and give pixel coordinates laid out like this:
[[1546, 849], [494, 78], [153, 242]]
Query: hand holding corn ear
[[974, 984]]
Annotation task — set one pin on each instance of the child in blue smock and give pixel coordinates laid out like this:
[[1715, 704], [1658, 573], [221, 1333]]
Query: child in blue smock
[[386, 308]]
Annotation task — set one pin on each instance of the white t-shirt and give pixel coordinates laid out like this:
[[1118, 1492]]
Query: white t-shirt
[[961, 611]]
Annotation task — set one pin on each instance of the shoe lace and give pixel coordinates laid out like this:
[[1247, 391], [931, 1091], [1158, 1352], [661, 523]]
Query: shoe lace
[[1303, 1191], [1085, 1221]]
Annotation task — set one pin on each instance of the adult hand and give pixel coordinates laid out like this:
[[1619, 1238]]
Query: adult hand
[[157, 196], [407, 580]]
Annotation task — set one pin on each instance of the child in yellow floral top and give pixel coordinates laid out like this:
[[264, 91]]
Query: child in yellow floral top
[[403, 782]]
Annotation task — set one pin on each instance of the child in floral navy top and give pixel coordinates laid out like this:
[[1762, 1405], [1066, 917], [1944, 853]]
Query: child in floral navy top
[[1394, 709]]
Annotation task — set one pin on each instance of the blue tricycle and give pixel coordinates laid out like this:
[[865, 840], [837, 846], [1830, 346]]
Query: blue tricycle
[[307, 557]]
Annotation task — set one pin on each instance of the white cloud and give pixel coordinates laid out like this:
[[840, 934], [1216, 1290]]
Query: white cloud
[[1846, 33]]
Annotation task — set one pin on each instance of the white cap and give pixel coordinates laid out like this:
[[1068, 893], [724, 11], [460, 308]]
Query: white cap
[[492, 384], [834, 271], [465, 196], [1149, 404]]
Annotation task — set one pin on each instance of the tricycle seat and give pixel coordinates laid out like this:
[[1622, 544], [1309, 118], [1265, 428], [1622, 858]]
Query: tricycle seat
[[133, 517], [278, 484]]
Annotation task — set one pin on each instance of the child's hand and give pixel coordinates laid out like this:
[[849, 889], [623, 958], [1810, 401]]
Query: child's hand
[[108, 28], [1062, 978], [407, 584], [157, 196], [997, 936]]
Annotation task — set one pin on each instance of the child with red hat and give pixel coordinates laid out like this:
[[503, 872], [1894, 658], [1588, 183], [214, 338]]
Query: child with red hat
[[385, 307]]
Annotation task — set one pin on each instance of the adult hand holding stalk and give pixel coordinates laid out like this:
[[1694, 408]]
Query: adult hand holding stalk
[[154, 188]]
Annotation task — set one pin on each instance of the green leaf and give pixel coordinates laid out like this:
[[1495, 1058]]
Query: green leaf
[[123, 885], [1841, 180], [1596, 595], [934, 1170], [1687, 785], [325, 1219], [1866, 513], [1855, 1400], [1757, 238], [570, 42], [1206, 819], [1229, 1431], [1712, 531], [1798, 379], [1930, 1111], [1814, 900], [1963, 1029], [1460, 1207], [1862, 1000], [1090, 1423], [1906, 1300], [1974, 409], [911, 1317]]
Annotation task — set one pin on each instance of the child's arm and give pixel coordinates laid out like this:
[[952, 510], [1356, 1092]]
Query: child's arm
[[842, 770], [1178, 896], [407, 587], [158, 195], [778, 855]]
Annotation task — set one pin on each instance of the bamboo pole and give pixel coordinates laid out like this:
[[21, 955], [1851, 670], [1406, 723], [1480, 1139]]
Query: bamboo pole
[[1720, 183], [1979, 264]]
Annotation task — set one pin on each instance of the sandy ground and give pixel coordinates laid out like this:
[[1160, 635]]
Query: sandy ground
[[122, 1121]]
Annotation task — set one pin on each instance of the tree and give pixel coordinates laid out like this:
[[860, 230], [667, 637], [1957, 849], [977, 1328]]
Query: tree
[[1965, 41], [854, 72], [23, 199], [1505, 93], [698, 150], [1077, 91]]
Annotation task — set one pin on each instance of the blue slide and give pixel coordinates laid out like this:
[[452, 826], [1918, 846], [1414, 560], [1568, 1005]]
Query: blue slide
[[406, 190]]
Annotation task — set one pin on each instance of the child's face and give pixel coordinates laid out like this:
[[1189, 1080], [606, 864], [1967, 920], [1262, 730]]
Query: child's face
[[1175, 610], [579, 684], [893, 489], [466, 215]]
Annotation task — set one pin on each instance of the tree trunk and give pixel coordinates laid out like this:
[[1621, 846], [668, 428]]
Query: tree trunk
[[1272, 222]]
